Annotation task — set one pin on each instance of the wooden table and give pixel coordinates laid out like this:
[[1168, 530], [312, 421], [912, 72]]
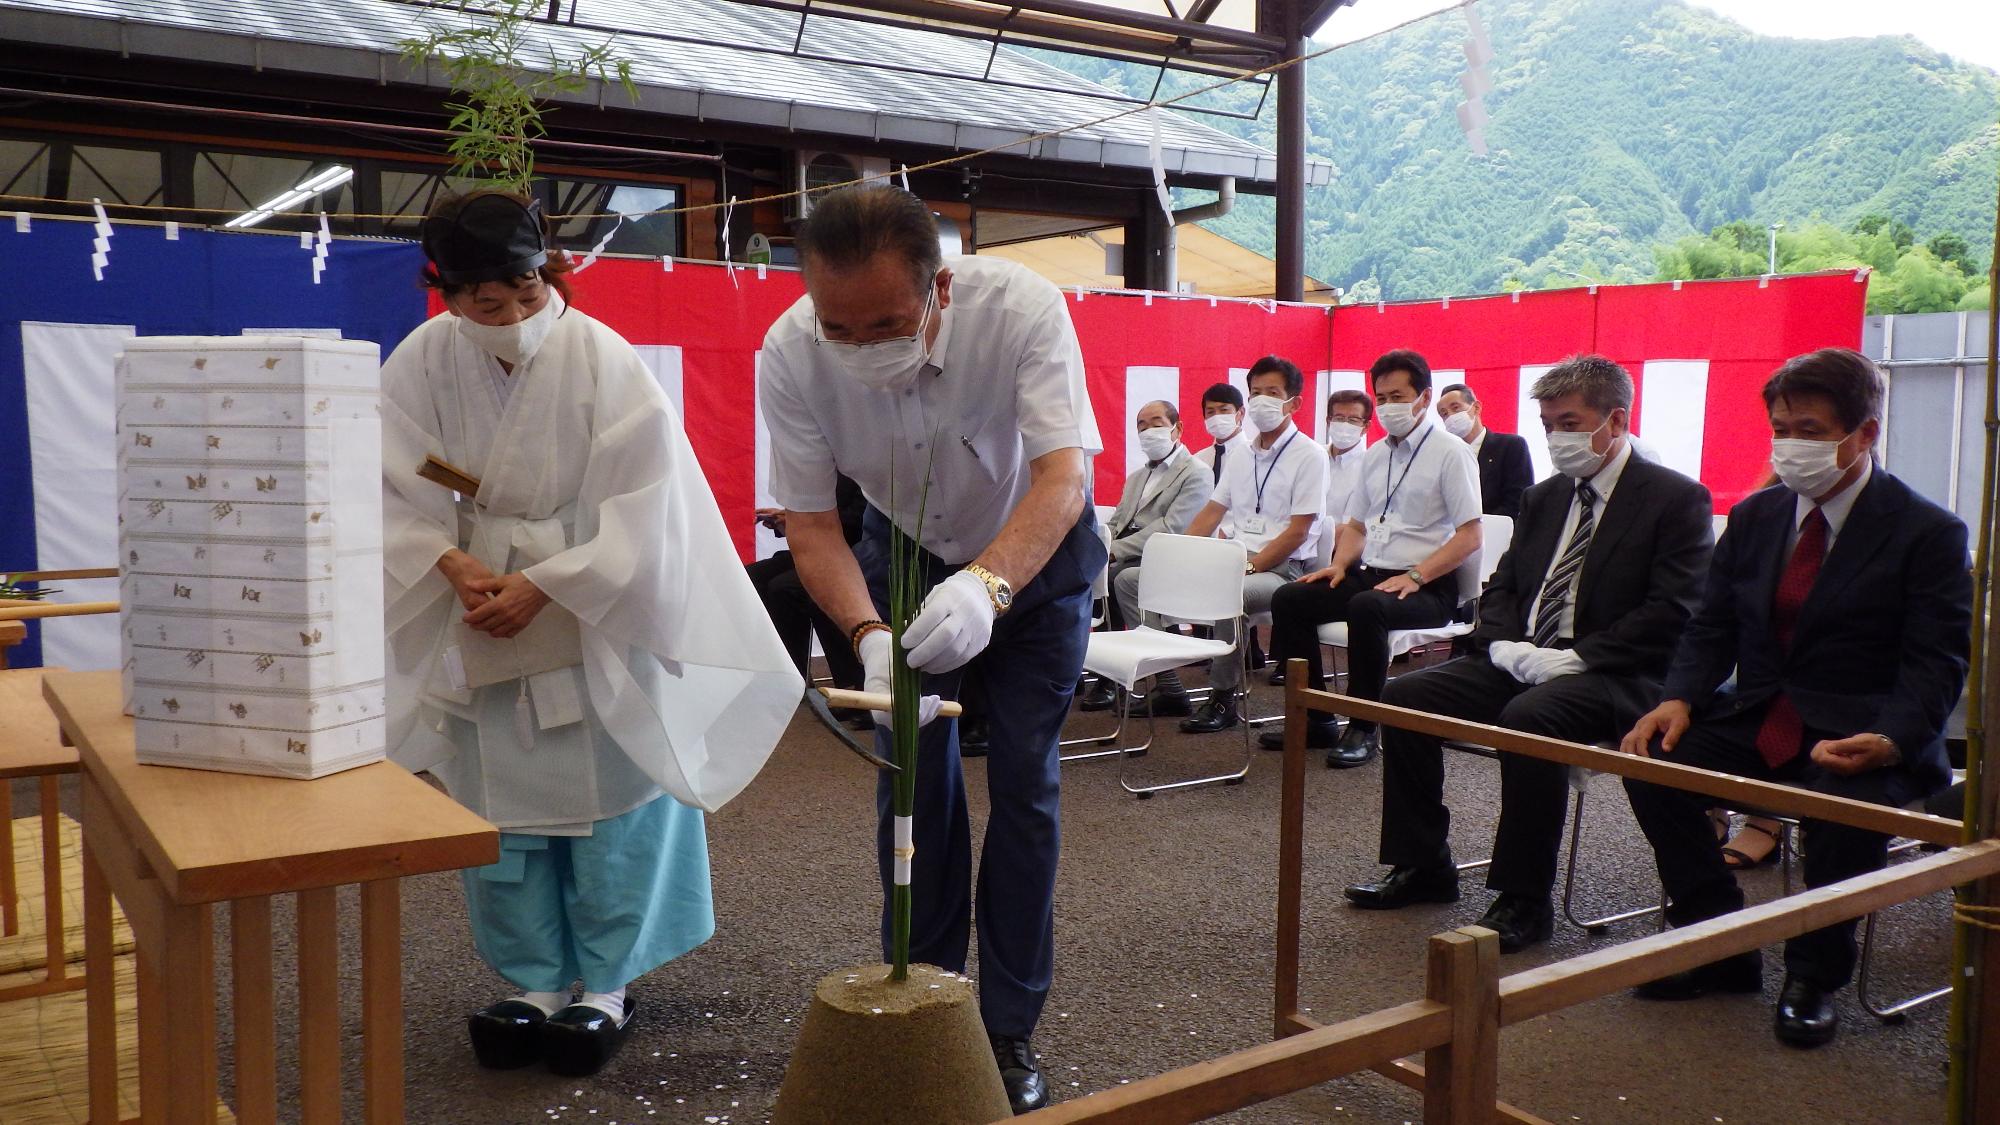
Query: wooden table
[[11, 634], [170, 843], [31, 746]]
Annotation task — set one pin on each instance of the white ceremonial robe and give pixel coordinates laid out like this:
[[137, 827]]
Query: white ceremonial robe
[[590, 489]]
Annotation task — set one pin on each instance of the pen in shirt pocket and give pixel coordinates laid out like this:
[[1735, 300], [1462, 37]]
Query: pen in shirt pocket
[[970, 448]]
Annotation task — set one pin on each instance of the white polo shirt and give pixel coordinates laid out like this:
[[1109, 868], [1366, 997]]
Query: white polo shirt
[[1264, 490], [1414, 493], [1004, 386], [1343, 476]]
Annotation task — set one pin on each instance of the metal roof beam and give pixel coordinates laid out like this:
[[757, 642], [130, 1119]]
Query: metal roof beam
[[1075, 22]]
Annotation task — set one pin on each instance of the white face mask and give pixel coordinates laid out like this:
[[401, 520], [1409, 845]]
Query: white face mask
[[1399, 418], [513, 344], [885, 365], [1460, 424], [1572, 454], [1342, 435], [1222, 427], [1157, 442], [1267, 413], [1807, 467]]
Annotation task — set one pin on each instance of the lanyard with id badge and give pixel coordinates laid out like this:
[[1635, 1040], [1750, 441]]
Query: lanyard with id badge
[[1256, 524], [1380, 526]]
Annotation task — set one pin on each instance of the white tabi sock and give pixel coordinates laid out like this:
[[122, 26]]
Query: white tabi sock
[[549, 1002], [610, 1003]]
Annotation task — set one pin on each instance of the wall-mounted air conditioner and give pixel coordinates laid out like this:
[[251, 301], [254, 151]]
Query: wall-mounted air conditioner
[[817, 171]]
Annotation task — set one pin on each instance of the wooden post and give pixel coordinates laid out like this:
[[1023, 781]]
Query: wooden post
[[382, 1000], [1291, 851], [256, 1031], [100, 1002], [10, 915], [54, 941], [1462, 1078], [319, 1007]]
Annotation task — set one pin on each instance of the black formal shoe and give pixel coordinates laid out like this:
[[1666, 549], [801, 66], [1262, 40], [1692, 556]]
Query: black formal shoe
[[854, 718], [580, 1039], [1805, 1015], [972, 738], [507, 1035], [1166, 703], [1277, 677], [1026, 1092], [1741, 973], [1520, 920], [1320, 735], [1406, 886], [1102, 696], [1212, 717], [1356, 748]]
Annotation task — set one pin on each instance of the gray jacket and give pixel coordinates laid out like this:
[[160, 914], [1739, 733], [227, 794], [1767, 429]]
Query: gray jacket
[[1170, 508]]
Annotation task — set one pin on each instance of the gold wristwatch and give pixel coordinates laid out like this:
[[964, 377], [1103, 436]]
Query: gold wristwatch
[[997, 588]]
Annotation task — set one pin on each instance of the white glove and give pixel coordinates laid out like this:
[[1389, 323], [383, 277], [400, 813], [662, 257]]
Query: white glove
[[1540, 665], [1506, 656], [954, 625], [875, 654]]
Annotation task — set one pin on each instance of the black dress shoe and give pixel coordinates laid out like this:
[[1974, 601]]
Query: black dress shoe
[[1320, 735], [580, 1039], [507, 1035], [1805, 1016], [972, 738], [1102, 696], [1026, 1092], [1405, 886], [1356, 748], [1212, 717], [1520, 920], [854, 718], [1161, 702], [1741, 973]]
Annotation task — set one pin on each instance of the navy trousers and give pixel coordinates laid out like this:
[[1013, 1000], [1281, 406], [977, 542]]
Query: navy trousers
[[1028, 673]]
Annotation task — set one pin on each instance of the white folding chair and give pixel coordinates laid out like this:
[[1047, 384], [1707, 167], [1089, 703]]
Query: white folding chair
[[1187, 579], [1495, 533]]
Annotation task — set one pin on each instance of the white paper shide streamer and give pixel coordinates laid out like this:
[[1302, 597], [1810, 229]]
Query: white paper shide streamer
[[1159, 166], [606, 240], [322, 246], [906, 848], [100, 247]]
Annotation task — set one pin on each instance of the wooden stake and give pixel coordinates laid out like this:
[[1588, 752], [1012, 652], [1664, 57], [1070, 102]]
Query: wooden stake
[[1462, 1077]]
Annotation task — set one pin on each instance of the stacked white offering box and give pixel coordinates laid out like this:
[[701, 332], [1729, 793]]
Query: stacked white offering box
[[250, 534]]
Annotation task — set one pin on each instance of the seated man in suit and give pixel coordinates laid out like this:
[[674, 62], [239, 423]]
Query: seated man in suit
[[1161, 495], [1843, 602], [1505, 470], [1413, 519], [1575, 631]]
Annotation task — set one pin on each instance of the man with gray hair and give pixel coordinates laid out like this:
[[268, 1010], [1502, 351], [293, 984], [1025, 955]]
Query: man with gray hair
[[1575, 632]]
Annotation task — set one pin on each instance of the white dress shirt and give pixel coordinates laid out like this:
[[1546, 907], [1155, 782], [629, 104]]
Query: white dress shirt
[[1263, 491], [1235, 445], [1835, 510], [1343, 476], [1414, 494], [1157, 472], [1478, 443], [1004, 386], [1603, 483]]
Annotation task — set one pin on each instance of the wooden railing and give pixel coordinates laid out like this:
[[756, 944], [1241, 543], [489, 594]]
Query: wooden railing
[[1466, 1000]]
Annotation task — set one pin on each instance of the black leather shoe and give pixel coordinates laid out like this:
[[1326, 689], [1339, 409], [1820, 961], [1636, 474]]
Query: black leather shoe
[[1102, 696], [1406, 886], [579, 1040], [1026, 1092], [1212, 717], [1356, 748], [1163, 702], [1277, 676], [1805, 1017], [1520, 920], [507, 1035], [972, 738], [1742, 973], [1319, 736]]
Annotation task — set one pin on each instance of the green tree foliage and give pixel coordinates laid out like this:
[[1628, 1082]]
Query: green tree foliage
[[1618, 126], [1904, 278]]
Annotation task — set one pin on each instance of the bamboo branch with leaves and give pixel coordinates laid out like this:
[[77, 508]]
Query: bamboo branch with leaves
[[487, 63], [906, 598], [11, 591]]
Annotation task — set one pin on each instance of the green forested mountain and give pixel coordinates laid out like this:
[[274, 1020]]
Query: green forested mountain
[[1618, 127]]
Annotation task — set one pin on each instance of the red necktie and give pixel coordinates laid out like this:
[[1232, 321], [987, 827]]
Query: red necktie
[[1780, 737]]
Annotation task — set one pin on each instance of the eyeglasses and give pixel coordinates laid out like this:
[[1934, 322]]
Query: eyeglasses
[[853, 347]]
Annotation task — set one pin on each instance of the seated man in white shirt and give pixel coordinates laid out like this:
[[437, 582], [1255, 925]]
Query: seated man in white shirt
[[1222, 417], [1163, 494], [1347, 416], [1414, 519], [1273, 497]]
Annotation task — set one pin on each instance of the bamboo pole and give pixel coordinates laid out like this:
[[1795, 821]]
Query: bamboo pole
[[30, 611]]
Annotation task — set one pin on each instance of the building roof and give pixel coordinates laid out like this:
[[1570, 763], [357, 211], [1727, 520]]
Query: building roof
[[1215, 266], [710, 60]]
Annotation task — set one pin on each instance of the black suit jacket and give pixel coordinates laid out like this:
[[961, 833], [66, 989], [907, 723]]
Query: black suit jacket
[[1505, 472], [1881, 643], [1641, 578]]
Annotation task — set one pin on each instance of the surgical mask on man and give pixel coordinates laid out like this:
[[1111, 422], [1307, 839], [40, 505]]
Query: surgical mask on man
[[1399, 418], [1807, 467], [886, 365], [1573, 454], [513, 344], [1341, 435], [1221, 426], [1460, 424], [1156, 443], [1267, 413]]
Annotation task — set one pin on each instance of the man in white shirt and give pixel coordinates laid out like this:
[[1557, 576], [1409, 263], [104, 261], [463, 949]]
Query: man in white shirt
[[950, 390], [1414, 519], [1163, 494], [1347, 416], [1273, 497], [1222, 417]]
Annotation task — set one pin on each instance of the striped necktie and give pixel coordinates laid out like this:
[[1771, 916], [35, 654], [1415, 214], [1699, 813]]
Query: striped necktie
[[1556, 591]]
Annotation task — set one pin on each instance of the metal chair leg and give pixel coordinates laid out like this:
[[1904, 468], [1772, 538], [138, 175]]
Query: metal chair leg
[[1595, 925], [1116, 736], [1144, 792], [1894, 1012]]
